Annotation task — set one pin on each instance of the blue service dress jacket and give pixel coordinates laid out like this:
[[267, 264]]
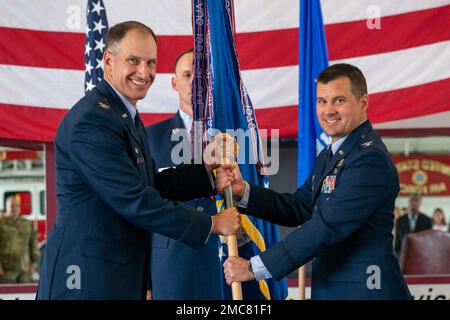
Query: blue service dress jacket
[[345, 209], [177, 270], [109, 199]]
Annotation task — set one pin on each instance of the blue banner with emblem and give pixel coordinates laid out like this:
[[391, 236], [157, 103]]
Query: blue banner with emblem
[[221, 102], [312, 60]]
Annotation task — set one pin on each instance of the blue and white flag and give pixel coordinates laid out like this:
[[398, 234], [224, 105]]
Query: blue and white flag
[[96, 31], [313, 59], [221, 102]]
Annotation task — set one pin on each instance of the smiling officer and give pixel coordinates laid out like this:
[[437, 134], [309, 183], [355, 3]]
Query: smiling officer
[[345, 208], [109, 196]]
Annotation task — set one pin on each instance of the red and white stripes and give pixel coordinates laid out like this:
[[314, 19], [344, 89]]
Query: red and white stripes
[[406, 61]]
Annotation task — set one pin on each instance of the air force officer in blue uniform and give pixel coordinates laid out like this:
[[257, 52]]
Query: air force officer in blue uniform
[[345, 208], [109, 197], [177, 270]]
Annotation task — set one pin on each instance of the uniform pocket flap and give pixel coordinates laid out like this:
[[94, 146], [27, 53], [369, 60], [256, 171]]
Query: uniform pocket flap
[[349, 273], [114, 251]]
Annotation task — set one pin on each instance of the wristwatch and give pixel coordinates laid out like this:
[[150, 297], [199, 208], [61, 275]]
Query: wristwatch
[[250, 268]]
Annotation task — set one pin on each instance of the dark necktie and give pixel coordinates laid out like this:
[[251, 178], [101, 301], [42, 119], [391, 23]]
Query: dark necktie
[[328, 157], [137, 120], [140, 128], [146, 155], [139, 125], [329, 154]]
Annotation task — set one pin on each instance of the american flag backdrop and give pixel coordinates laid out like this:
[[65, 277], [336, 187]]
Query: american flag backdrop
[[404, 54], [96, 31]]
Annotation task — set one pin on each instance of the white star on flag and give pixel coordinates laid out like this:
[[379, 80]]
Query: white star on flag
[[99, 26], [221, 253], [97, 7], [99, 45], [99, 63], [88, 67], [87, 49], [89, 85]]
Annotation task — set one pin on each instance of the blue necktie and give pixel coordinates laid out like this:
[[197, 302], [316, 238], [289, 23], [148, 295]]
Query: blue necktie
[[137, 120], [328, 157]]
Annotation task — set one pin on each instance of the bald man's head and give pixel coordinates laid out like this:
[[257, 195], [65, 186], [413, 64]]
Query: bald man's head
[[12, 206]]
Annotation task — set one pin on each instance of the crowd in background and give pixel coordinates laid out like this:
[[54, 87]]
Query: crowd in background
[[412, 220]]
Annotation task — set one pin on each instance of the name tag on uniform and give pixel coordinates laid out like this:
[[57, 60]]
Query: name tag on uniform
[[140, 160], [329, 184]]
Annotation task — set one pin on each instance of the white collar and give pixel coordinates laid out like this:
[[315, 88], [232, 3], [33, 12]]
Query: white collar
[[187, 120]]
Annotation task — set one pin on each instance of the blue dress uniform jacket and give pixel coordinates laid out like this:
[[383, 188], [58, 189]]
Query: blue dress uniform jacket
[[345, 210], [178, 271], [109, 199]]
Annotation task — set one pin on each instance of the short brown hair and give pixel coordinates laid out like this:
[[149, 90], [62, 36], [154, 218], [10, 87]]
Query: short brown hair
[[415, 195], [358, 83], [118, 32], [179, 57]]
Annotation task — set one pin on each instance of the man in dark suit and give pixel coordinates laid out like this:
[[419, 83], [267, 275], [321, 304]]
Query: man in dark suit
[[178, 271], [109, 196], [345, 208], [412, 221]]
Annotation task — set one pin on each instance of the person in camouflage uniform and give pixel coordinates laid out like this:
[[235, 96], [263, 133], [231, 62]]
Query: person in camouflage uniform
[[18, 245]]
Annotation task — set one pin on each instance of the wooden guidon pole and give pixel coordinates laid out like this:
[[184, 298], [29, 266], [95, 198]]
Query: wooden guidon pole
[[236, 288], [301, 282]]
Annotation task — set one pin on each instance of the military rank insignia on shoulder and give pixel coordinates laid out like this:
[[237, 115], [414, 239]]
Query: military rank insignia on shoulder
[[367, 144], [104, 106]]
